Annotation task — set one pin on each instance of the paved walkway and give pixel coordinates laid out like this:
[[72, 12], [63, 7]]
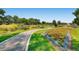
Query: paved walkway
[[17, 43]]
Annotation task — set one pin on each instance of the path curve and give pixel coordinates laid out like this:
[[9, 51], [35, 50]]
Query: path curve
[[18, 42]]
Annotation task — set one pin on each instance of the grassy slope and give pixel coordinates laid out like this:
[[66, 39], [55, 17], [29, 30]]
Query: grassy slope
[[8, 35], [75, 41], [39, 43], [74, 33]]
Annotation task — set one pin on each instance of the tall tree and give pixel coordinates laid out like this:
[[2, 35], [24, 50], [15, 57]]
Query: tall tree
[[23, 20], [76, 13], [8, 19], [59, 22], [33, 21], [43, 22], [2, 12], [54, 23], [16, 19]]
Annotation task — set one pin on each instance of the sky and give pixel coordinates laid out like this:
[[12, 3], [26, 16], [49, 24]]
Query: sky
[[44, 14]]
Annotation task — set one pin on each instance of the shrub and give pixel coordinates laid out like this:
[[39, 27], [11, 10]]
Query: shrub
[[59, 33], [10, 27]]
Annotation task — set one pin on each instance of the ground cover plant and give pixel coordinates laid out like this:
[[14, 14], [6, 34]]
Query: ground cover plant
[[9, 34], [39, 43], [60, 33], [75, 41]]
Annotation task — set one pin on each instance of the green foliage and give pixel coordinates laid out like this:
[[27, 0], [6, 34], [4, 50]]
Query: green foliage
[[75, 45], [75, 41], [76, 13], [39, 43], [43, 22], [2, 12], [10, 34], [59, 22], [76, 21], [33, 21], [54, 23], [7, 19]]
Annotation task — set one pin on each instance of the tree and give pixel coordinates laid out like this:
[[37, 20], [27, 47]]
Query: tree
[[76, 20], [2, 12], [8, 19], [59, 22], [54, 23], [37, 21], [33, 21], [43, 22], [23, 20], [1, 21], [16, 19]]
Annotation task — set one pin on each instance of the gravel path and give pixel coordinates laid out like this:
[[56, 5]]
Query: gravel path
[[17, 43]]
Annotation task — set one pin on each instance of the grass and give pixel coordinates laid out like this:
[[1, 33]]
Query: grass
[[61, 33], [10, 34], [39, 43], [75, 41]]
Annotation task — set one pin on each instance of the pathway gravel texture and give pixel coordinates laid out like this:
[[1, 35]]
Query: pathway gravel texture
[[17, 43]]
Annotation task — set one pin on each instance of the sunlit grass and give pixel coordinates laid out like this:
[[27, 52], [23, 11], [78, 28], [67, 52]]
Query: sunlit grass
[[9, 34], [75, 41], [60, 33], [39, 43]]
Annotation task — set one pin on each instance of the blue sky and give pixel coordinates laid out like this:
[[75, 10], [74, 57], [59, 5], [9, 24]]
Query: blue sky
[[44, 14]]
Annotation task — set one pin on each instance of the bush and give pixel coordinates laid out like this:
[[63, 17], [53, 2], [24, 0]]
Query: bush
[[59, 33], [10, 27]]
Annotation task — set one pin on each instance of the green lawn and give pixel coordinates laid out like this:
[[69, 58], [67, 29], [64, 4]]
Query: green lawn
[[39, 43], [75, 41], [10, 34]]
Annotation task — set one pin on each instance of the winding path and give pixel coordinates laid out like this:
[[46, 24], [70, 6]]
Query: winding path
[[18, 42]]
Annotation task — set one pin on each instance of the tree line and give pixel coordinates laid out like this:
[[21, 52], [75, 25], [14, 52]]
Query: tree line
[[76, 14], [8, 19]]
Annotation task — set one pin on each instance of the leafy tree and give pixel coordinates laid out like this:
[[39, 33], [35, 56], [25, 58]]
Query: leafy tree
[[2, 12], [43, 22], [76, 13], [33, 21], [1, 21], [54, 23], [23, 20], [59, 22], [76, 21], [16, 19], [8, 19]]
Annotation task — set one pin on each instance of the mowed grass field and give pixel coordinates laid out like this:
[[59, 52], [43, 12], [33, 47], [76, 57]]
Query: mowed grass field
[[39, 43]]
